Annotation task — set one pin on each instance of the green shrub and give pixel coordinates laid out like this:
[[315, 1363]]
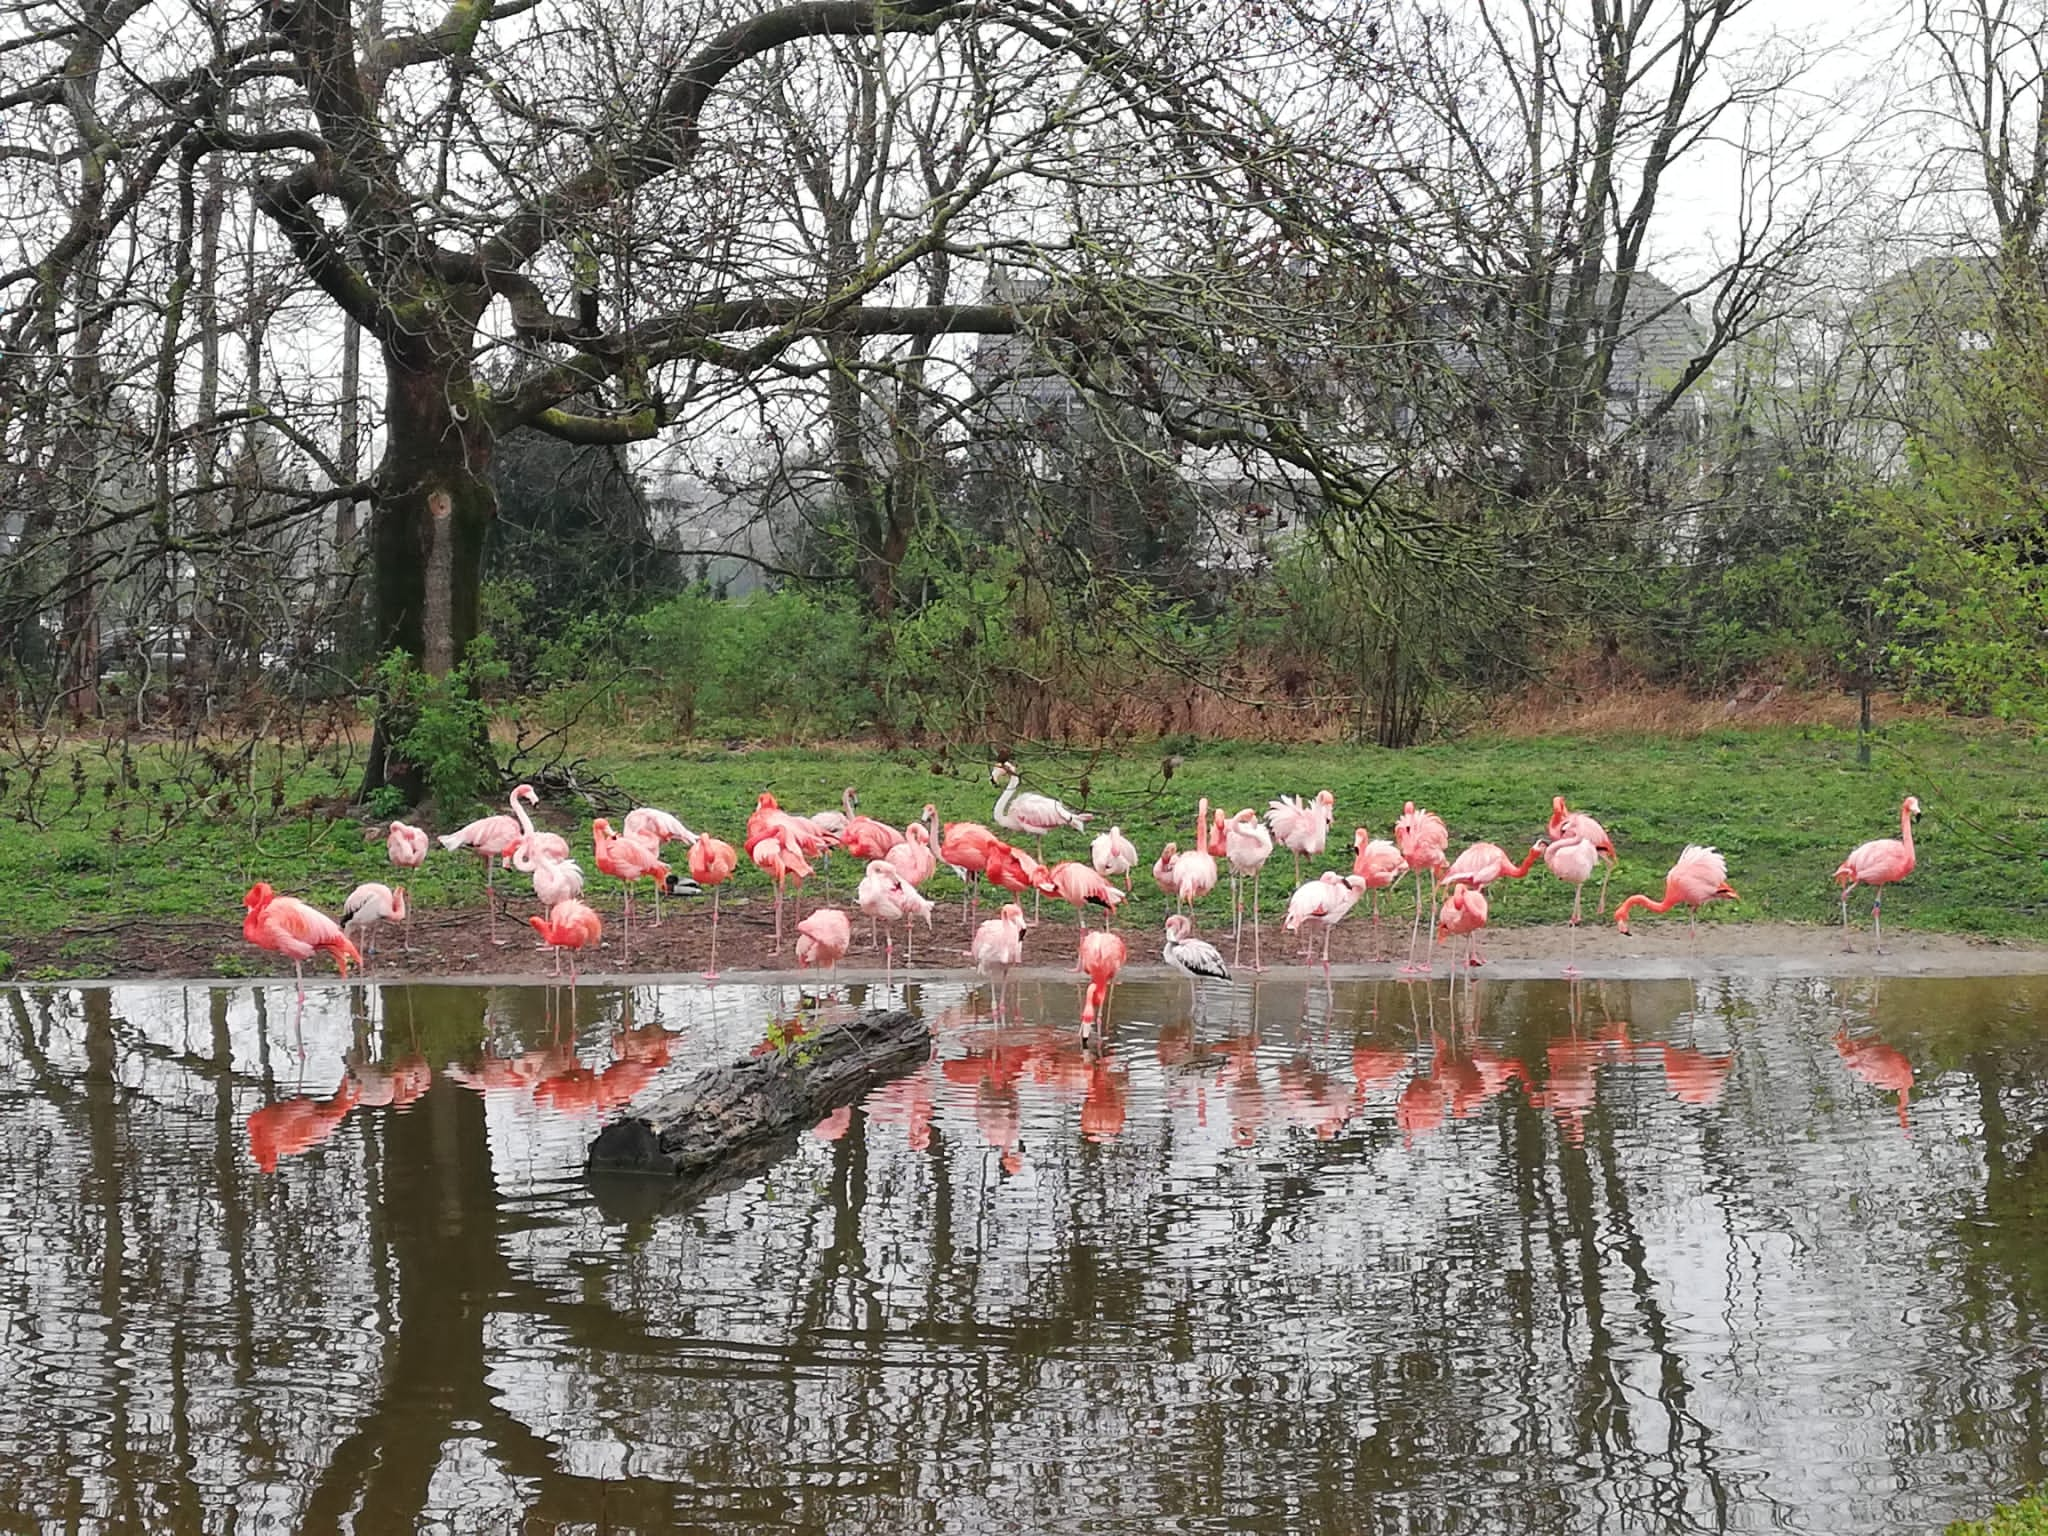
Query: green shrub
[[2027, 1517]]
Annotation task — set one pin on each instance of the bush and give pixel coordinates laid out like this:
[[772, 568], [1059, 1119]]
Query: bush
[[785, 664], [441, 725]]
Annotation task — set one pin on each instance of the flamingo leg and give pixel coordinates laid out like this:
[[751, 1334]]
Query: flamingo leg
[[491, 893], [1606, 869], [1326, 951], [1036, 894], [1877, 923], [1847, 947], [1236, 921], [712, 974], [1256, 965], [629, 924], [1415, 932], [778, 914]]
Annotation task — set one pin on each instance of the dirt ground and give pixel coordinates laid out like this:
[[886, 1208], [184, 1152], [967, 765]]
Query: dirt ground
[[456, 943]]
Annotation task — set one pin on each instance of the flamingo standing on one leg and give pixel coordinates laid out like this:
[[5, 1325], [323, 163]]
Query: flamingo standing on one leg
[[1379, 864], [1572, 860], [1464, 911], [887, 898], [1194, 872], [1879, 863], [1323, 903], [1246, 847], [1699, 876], [405, 846], [569, 925], [369, 904], [1303, 827], [1567, 824], [630, 860], [781, 863], [712, 862], [912, 857], [1101, 956], [1114, 856], [490, 837], [998, 949], [964, 847], [287, 926], [1033, 814], [651, 824], [822, 939], [1422, 839]]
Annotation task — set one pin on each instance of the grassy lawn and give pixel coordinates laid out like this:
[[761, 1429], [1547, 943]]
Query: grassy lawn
[[1784, 805]]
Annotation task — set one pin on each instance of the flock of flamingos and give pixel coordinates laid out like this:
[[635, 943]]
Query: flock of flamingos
[[899, 862]]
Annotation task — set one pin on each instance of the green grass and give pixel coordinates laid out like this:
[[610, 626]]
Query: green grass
[[1784, 806], [2027, 1517]]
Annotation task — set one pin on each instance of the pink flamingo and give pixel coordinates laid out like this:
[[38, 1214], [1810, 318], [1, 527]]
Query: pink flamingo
[[550, 844], [1162, 869], [863, 837], [964, 847], [1246, 847], [406, 847], [1572, 860], [1303, 827], [912, 857], [1102, 955], [1884, 1067], [887, 897], [1569, 824], [1464, 912], [1422, 839], [555, 879], [1378, 863], [630, 860], [712, 862], [998, 949], [1323, 903], [823, 938], [781, 863], [1194, 872], [369, 904], [1078, 885], [1483, 863], [1032, 814], [491, 838], [1699, 876], [1878, 863], [651, 824], [569, 925], [1114, 856], [287, 926]]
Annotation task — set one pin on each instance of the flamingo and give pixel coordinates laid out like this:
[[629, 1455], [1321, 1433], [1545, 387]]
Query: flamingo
[[630, 860], [1323, 903], [1699, 876], [1378, 863], [1566, 824], [1422, 838], [406, 847], [651, 824], [291, 1126], [964, 847], [369, 904], [863, 837], [1302, 827], [1114, 856], [823, 938], [1033, 814], [1194, 872], [1246, 847], [1196, 959], [569, 925], [287, 926], [1464, 911], [780, 862], [552, 844], [490, 837], [1078, 885], [712, 862], [998, 948], [1483, 863], [1878, 863], [887, 897], [1884, 1067], [554, 879], [1101, 956], [1162, 869], [912, 857], [808, 835], [1572, 860]]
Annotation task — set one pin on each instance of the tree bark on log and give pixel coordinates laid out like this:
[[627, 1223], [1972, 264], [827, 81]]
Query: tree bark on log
[[730, 1115]]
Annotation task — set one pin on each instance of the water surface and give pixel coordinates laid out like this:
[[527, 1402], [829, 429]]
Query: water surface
[[1651, 1256]]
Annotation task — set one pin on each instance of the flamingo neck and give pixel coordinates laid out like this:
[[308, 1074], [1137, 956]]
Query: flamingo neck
[[1202, 825], [1517, 871], [1003, 800], [846, 803], [1906, 831], [519, 811]]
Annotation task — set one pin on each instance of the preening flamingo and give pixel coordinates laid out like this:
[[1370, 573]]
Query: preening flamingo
[[1080, 886], [998, 949], [1032, 814], [1246, 847], [863, 837], [1568, 824], [554, 879], [1102, 955], [1464, 912], [569, 925], [651, 824], [712, 862], [287, 926], [1422, 839], [1879, 863], [369, 904], [1572, 860], [1699, 876], [1323, 903], [888, 898], [1196, 959], [913, 857], [1378, 863], [549, 844], [491, 838], [1162, 869], [406, 847], [630, 860], [822, 939], [1302, 827], [1194, 871], [1114, 856], [780, 862]]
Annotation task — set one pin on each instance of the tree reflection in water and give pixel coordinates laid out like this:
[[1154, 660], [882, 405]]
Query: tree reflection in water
[[1385, 1255]]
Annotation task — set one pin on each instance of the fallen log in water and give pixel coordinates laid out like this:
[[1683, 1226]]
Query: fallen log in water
[[731, 1115]]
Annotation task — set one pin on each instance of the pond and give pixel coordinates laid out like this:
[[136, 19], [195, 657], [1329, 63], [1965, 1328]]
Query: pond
[[1715, 1255]]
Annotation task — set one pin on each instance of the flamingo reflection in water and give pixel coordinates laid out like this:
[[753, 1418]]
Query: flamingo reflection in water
[[1882, 1066], [292, 1126]]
